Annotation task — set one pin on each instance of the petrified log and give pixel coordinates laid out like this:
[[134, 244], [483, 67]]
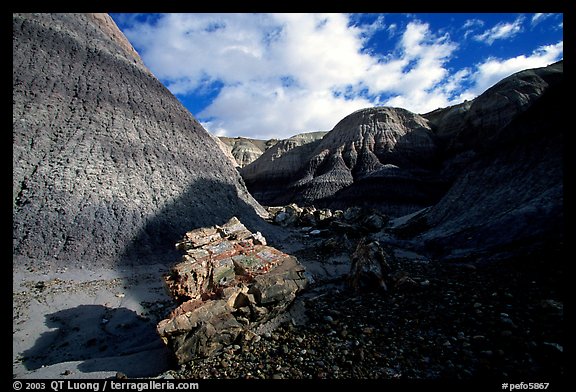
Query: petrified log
[[228, 282]]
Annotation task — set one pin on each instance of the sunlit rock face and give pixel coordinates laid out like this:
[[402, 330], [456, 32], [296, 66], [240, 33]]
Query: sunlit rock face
[[244, 151], [107, 164], [269, 176]]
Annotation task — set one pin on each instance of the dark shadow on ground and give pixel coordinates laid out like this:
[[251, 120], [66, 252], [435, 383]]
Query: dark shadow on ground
[[87, 332], [119, 339], [205, 203]]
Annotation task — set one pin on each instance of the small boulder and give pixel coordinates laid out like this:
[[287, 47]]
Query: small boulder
[[369, 268]]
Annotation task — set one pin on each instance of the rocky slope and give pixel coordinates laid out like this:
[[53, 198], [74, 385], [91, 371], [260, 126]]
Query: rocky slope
[[479, 122], [486, 174], [244, 150], [267, 176], [108, 166], [455, 326], [366, 152], [508, 198]]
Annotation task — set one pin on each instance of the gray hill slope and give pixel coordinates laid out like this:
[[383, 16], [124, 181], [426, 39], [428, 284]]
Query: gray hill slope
[[108, 166]]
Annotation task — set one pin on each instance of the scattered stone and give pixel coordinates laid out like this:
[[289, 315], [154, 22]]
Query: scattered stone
[[417, 335], [374, 222], [355, 220], [281, 217], [352, 214], [552, 307]]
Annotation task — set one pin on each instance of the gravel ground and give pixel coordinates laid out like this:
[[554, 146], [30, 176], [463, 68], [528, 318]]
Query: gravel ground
[[447, 322], [458, 322]]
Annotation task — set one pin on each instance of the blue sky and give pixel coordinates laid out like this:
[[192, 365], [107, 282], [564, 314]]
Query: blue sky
[[275, 75]]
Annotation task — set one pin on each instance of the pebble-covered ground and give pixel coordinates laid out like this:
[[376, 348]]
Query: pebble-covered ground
[[461, 322]]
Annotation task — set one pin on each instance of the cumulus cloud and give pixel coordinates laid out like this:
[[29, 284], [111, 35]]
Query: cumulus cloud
[[503, 30], [282, 112], [275, 75], [416, 76], [280, 72], [493, 70]]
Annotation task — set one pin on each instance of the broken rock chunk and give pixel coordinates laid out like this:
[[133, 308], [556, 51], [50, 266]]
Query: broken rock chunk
[[369, 268], [228, 283]]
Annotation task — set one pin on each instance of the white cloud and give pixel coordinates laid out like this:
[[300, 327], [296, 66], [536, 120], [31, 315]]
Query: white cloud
[[493, 70], [502, 30], [539, 17], [470, 25], [279, 71], [282, 74], [473, 23], [416, 75], [282, 112], [392, 29]]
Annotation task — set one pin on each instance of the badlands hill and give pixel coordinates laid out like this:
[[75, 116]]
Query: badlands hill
[[107, 164], [109, 168], [385, 143], [505, 154], [485, 174], [245, 150]]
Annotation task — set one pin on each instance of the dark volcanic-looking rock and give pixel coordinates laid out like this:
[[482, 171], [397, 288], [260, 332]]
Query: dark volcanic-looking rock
[[107, 164]]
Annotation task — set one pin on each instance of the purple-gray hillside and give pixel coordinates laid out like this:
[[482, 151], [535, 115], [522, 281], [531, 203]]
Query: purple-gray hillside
[[382, 157], [107, 164], [245, 150], [268, 175], [487, 173], [507, 197]]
